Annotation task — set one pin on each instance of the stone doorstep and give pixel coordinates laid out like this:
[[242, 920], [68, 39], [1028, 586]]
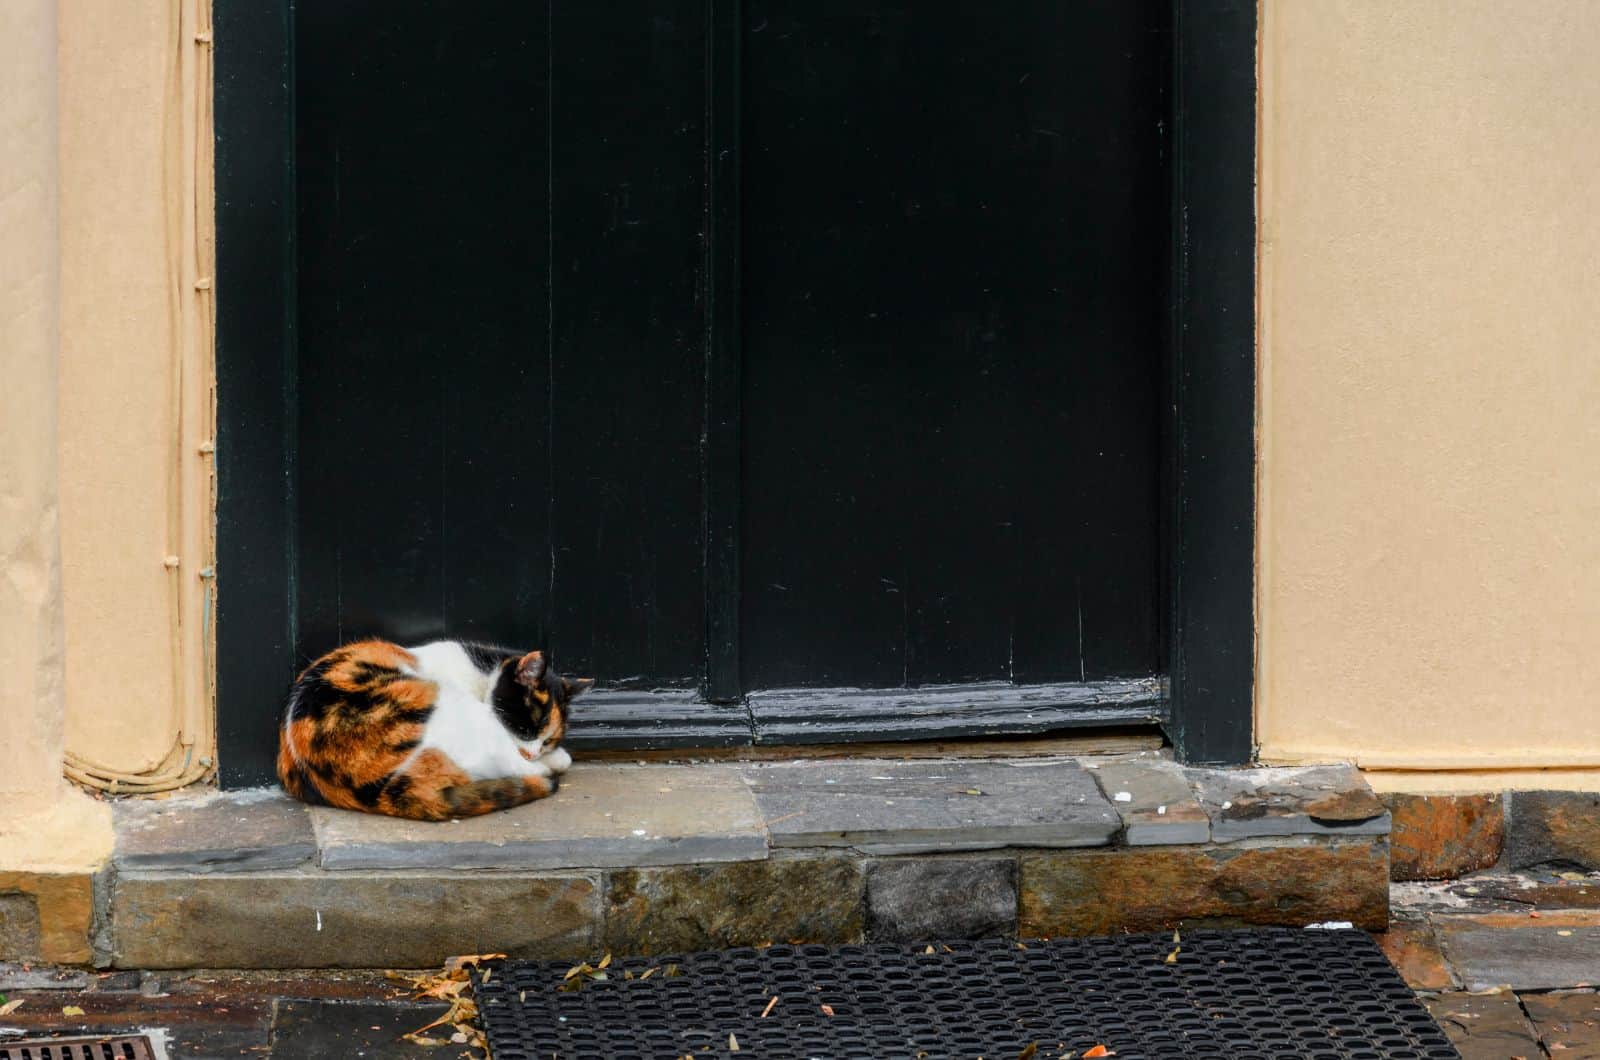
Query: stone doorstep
[[612, 815], [659, 858]]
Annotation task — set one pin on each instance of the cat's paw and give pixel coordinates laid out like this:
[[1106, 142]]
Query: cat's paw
[[557, 759], [538, 769]]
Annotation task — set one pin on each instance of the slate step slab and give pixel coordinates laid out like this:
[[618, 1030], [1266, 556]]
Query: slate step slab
[[237, 831], [1263, 803], [604, 816], [889, 807], [1154, 799]]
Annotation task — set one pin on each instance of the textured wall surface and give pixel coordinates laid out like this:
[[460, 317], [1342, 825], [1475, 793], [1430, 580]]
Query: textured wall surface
[[30, 555], [1430, 399], [135, 378]]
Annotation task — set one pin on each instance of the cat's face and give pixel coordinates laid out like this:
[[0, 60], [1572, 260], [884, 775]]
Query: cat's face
[[546, 696]]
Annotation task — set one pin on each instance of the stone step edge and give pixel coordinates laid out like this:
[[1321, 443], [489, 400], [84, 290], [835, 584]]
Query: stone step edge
[[308, 917]]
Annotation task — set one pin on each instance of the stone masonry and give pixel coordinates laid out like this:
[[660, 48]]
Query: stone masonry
[[659, 859]]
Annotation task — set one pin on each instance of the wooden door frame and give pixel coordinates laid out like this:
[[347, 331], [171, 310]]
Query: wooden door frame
[[1205, 701]]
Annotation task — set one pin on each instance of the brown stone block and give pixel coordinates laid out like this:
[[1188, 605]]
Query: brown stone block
[[347, 920], [1441, 837], [697, 907], [46, 916], [1554, 828], [1104, 892]]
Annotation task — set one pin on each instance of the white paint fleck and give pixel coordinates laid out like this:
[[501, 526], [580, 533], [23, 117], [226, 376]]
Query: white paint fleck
[[1161, 810], [640, 831], [1331, 925], [319, 920], [1123, 796], [1227, 805]]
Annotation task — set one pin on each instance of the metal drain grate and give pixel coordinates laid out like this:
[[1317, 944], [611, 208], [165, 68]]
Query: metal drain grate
[[118, 1048], [1239, 995]]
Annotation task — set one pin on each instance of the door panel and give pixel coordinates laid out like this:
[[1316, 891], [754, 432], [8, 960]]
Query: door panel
[[954, 232], [500, 369], [628, 370]]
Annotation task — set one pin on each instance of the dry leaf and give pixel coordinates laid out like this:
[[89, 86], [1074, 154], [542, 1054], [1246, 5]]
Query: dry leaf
[[471, 960], [10, 1006], [71, 1010], [827, 1010], [1172, 958], [733, 1044], [1028, 1051], [648, 972], [770, 1006], [1098, 1050], [605, 962], [928, 950], [671, 972]]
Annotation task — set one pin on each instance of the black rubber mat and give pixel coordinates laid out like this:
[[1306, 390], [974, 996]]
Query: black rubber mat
[[1242, 995]]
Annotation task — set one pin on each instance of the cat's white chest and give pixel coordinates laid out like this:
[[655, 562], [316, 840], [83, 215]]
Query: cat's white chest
[[470, 732]]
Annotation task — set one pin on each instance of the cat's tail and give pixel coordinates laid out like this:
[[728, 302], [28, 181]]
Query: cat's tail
[[291, 767]]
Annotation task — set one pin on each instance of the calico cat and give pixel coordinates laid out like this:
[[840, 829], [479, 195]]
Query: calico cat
[[449, 729]]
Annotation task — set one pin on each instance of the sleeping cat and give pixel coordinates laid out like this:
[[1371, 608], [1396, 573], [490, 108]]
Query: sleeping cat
[[449, 729]]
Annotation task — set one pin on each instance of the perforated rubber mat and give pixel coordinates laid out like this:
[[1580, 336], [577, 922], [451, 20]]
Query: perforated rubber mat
[[1240, 995]]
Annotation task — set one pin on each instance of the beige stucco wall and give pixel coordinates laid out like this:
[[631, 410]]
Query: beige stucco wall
[[135, 384], [45, 827], [1429, 590]]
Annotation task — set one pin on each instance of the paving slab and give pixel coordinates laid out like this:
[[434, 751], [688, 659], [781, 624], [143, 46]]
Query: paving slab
[[1490, 1027], [303, 1029], [922, 899], [888, 807], [309, 919], [1568, 1024], [1413, 949], [1313, 800], [1153, 797], [236, 831], [1523, 951], [604, 816]]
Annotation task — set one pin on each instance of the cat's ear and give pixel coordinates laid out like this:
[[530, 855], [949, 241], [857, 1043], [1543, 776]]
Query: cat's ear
[[530, 669], [577, 687]]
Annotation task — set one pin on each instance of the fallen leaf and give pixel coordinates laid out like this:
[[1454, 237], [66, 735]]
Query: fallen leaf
[[1028, 1051], [971, 791], [1172, 958], [1564, 934], [1534, 914], [1572, 875], [670, 972], [71, 1010], [648, 972], [11, 1006], [827, 1010], [471, 960], [1098, 1050], [770, 1006], [733, 1044], [605, 962], [928, 950]]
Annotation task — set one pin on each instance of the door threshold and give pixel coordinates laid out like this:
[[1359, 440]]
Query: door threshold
[[627, 720], [1115, 741]]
